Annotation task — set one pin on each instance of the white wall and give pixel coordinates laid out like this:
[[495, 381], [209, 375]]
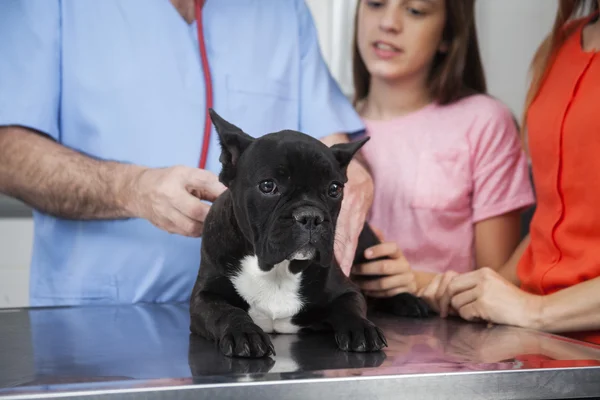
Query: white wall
[[335, 20], [509, 30], [16, 239]]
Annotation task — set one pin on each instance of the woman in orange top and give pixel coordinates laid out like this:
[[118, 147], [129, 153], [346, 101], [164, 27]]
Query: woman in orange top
[[552, 282]]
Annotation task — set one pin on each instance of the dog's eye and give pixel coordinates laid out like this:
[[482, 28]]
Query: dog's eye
[[335, 190], [267, 186]]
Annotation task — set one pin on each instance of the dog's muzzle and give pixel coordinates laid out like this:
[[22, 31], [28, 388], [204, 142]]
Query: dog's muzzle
[[309, 220]]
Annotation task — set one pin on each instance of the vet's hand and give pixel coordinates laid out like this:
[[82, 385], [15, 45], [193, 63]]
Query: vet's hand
[[358, 197], [437, 295], [398, 275], [485, 295], [170, 198]]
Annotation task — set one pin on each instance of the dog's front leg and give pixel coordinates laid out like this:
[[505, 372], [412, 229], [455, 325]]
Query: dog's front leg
[[231, 327], [353, 331]]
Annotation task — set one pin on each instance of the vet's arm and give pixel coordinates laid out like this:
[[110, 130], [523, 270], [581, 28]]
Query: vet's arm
[[59, 181], [65, 183], [496, 240]]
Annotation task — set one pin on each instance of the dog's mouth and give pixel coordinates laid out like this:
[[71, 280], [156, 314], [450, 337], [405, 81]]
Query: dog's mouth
[[297, 246], [306, 252]]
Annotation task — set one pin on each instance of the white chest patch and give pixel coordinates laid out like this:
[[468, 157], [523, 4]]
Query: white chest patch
[[273, 296]]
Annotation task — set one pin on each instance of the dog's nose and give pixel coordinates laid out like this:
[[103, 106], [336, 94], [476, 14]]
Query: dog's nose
[[308, 217]]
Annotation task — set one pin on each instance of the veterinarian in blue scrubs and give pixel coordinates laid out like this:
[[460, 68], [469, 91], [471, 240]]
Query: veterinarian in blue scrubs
[[121, 82]]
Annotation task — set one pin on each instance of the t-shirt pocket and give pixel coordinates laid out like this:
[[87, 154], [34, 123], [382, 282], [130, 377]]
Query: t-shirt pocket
[[260, 105], [442, 181]]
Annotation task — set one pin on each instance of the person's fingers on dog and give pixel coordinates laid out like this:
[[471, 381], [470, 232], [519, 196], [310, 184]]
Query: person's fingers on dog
[[192, 207], [444, 304], [386, 249], [464, 282], [208, 193], [388, 282], [175, 222], [187, 226], [390, 292], [383, 267], [203, 184], [443, 295], [374, 285], [464, 298], [370, 268], [428, 293]]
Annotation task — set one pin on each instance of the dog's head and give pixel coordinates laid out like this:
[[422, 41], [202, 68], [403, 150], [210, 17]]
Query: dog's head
[[287, 191]]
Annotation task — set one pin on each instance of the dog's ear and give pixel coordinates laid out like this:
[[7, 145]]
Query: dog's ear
[[344, 152], [233, 143]]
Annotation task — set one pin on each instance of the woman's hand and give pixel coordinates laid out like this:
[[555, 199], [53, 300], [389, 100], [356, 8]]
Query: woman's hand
[[436, 294], [485, 295], [397, 275]]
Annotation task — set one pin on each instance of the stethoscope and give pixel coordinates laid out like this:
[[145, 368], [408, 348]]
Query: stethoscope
[[207, 84]]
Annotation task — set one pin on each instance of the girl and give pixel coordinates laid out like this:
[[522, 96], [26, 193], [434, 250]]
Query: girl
[[558, 266], [449, 172]]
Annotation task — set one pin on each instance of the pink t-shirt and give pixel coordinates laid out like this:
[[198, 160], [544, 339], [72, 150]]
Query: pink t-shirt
[[438, 171]]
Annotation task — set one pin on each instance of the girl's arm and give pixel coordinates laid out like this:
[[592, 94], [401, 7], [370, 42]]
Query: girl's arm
[[509, 270], [497, 247], [496, 239]]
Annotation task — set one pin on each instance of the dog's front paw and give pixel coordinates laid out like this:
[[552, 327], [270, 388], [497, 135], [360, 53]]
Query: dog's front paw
[[360, 335], [246, 341]]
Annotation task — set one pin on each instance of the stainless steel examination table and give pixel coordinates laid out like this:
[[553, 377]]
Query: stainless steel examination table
[[146, 352]]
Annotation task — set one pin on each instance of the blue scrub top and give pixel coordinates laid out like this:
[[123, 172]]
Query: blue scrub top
[[122, 80]]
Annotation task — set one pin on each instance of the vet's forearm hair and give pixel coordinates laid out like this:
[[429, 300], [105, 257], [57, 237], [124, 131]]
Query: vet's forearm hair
[[60, 181]]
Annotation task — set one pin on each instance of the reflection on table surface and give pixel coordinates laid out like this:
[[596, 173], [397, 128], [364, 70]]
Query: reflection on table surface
[[150, 345]]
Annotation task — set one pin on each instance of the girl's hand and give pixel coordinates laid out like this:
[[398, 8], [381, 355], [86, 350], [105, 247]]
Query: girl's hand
[[397, 275], [437, 295]]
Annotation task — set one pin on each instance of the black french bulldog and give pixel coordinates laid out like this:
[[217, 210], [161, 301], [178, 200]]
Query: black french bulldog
[[267, 261]]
